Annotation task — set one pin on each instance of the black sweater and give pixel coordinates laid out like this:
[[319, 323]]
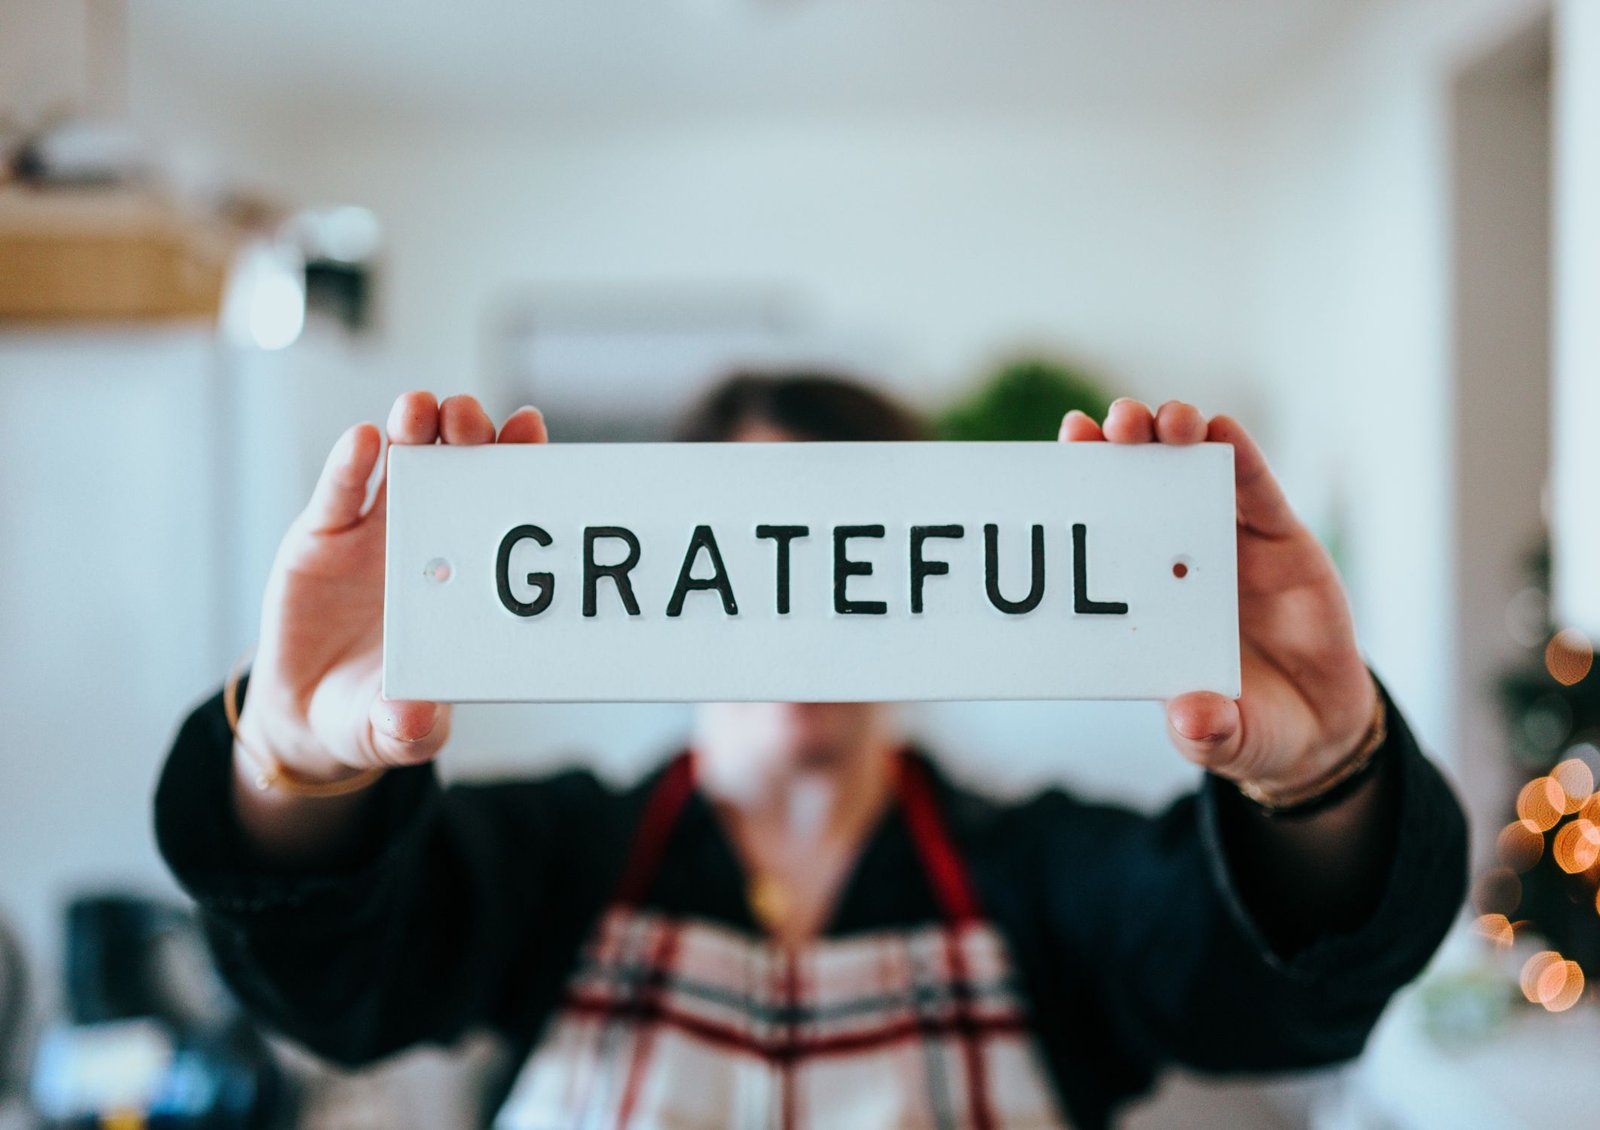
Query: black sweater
[[1134, 945]]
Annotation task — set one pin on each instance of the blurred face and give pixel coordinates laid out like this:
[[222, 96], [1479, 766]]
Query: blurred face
[[753, 742]]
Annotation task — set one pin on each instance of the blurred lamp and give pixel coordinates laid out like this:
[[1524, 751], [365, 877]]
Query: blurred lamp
[[265, 303]]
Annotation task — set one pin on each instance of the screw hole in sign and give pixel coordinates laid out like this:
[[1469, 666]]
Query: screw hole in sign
[[1181, 567], [437, 570]]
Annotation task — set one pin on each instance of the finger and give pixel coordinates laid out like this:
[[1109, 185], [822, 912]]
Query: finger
[[407, 732], [1206, 727], [1261, 504], [1129, 421], [462, 420], [1177, 422], [525, 425], [414, 419], [1079, 427], [342, 487]]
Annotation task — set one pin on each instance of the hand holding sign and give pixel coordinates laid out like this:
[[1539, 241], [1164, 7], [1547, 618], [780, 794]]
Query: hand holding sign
[[1307, 697], [314, 702]]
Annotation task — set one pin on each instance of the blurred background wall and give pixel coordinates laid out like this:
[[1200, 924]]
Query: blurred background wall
[[1334, 219]]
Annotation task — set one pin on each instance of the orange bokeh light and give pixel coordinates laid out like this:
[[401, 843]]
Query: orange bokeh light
[[1533, 971], [1565, 994], [1577, 782], [1541, 803], [1576, 846], [1550, 980], [1496, 928], [1590, 810], [1520, 845], [1568, 656]]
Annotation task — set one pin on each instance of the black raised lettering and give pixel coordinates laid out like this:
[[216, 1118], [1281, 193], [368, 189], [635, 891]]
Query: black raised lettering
[[921, 568], [702, 538], [844, 568], [991, 572], [545, 583], [1080, 580], [592, 572], [783, 535]]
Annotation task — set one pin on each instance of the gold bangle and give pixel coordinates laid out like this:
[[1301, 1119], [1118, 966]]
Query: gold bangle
[[1377, 733], [268, 773]]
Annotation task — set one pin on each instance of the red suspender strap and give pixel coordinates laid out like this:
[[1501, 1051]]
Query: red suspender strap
[[951, 884], [661, 811], [946, 870], [953, 888]]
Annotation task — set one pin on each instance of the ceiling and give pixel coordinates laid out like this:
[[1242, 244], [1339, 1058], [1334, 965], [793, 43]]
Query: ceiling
[[468, 60]]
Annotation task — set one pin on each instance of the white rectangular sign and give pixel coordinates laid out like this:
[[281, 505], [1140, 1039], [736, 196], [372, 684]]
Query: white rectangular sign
[[810, 572]]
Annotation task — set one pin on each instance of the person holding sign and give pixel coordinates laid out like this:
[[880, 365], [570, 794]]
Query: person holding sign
[[799, 920]]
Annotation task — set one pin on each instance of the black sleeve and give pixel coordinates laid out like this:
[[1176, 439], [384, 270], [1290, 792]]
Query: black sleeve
[[1152, 907], [463, 910]]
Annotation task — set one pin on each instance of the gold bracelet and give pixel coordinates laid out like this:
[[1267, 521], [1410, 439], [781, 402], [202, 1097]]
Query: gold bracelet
[[1377, 733], [269, 773]]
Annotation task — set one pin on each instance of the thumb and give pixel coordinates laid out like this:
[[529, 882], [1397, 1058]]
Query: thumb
[[405, 731], [342, 488], [1207, 728]]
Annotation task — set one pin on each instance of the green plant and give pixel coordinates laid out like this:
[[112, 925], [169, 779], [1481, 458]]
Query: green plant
[[1025, 399]]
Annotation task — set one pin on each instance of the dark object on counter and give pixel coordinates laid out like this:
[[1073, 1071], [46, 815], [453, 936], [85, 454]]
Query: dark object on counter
[[13, 1004], [150, 1024]]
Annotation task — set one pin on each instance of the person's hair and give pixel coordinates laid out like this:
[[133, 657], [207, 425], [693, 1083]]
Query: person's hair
[[809, 405]]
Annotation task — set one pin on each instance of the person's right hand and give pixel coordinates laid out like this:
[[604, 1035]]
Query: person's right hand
[[314, 701]]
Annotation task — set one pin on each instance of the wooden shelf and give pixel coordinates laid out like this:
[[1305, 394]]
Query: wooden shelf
[[91, 255]]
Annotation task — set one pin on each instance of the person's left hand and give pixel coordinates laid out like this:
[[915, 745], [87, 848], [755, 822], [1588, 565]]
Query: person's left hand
[[1307, 698]]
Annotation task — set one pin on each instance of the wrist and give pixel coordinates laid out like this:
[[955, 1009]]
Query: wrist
[[1335, 776], [273, 765], [267, 762]]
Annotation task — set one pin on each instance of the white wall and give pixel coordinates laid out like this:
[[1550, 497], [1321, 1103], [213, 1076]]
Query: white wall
[[1576, 402], [44, 58], [1351, 323], [946, 240], [109, 601], [1501, 404]]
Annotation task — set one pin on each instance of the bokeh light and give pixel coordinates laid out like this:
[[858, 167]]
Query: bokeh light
[[1541, 803], [1568, 656], [1497, 929], [1571, 989], [1533, 970], [1590, 810], [1546, 724], [1520, 845], [1576, 846], [1550, 980], [1577, 782]]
